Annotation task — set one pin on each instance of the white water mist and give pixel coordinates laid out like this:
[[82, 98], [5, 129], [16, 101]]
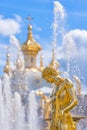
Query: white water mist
[[58, 25], [58, 22], [33, 116]]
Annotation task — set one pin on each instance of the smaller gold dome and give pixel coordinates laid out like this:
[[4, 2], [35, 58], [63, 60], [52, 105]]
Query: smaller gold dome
[[31, 46]]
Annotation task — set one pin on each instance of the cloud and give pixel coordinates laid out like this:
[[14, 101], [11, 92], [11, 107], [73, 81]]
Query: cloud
[[18, 18], [75, 44], [9, 26]]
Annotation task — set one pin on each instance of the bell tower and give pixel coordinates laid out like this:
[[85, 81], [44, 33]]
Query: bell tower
[[30, 50]]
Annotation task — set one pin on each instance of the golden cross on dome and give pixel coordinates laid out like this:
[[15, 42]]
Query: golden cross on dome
[[29, 18]]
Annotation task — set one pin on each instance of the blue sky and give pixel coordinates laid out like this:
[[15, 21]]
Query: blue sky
[[42, 12], [13, 26]]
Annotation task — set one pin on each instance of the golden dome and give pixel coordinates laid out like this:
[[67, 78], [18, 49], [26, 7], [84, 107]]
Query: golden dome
[[31, 46]]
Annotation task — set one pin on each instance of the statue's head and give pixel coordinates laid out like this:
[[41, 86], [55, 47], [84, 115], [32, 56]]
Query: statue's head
[[49, 73]]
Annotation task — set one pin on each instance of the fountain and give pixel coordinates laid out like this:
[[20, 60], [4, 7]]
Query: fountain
[[21, 89], [2, 126], [12, 112], [33, 116]]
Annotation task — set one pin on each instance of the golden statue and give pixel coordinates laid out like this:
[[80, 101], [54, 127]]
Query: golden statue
[[63, 99], [45, 104]]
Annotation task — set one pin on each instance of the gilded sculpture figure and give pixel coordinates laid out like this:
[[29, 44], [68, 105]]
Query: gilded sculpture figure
[[63, 99], [46, 105]]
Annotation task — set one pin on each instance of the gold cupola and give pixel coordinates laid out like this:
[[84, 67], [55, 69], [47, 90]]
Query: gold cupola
[[7, 68], [30, 50]]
